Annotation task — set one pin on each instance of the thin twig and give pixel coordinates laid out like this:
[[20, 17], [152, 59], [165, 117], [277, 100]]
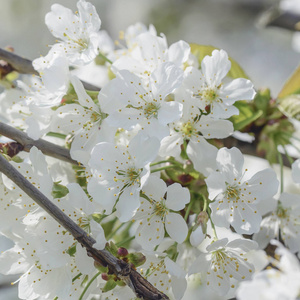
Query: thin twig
[[141, 287], [20, 64], [24, 66], [276, 18], [46, 147]]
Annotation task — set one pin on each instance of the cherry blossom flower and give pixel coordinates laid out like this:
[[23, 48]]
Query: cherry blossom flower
[[193, 127], [119, 173], [284, 220], [78, 32], [150, 52], [235, 197], [274, 284], [208, 89], [85, 120], [156, 213], [137, 103], [165, 274], [225, 264]]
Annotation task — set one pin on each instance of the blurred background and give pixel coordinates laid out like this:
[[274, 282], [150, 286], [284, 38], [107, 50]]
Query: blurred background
[[265, 54]]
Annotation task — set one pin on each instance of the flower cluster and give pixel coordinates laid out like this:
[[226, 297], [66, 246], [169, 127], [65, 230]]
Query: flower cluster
[[152, 175]]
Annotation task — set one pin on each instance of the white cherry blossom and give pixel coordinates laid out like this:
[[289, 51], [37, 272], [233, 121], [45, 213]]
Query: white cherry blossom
[[208, 88], [281, 282], [283, 221], [78, 33], [137, 103], [193, 127], [225, 264], [85, 121], [235, 196], [119, 173], [149, 52], [155, 215], [165, 274]]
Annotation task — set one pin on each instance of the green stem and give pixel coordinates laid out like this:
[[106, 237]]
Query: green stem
[[205, 203], [76, 277], [120, 244], [174, 162], [188, 211], [114, 232], [213, 228], [105, 58], [56, 134], [280, 161], [88, 285]]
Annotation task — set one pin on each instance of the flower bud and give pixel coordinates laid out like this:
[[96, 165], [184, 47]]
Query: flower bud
[[137, 258], [122, 252]]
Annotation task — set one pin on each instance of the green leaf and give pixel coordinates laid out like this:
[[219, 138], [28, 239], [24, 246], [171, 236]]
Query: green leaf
[[262, 100], [200, 51], [72, 250], [59, 190], [247, 115], [292, 85], [110, 284], [112, 248], [290, 106]]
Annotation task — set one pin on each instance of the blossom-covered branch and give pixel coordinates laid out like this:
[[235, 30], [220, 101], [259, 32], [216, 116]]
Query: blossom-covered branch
[[133, 279], [24, 66], [46, 147]]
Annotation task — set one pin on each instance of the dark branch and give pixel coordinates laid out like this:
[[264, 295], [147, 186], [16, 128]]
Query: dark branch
[[275, 18], [46, 147], [141, 287], [24, 66]]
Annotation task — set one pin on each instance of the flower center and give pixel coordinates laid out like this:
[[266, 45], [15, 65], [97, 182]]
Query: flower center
[[130, 176], [209, 94], [282, 213], [188, 129], [232, 192], [151, 110], [84, 223], [221, 260], [160, 209]]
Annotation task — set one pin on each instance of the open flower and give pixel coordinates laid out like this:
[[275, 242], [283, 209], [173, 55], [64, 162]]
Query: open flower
[[78, 32], [144, 104], [156, 213], [224, 264], [235, 198], [284, 220], [207, 86], [119, 173]]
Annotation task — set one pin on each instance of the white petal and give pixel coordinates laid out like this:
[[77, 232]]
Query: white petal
[[155, 188], [84, 263], [238, 89], [176, 227], [197, 237], [143, 149], [150, 233], [165, 79], [177, 197], [203, 155], [179, 52], [215, 67], [169, 112], [128, 203]]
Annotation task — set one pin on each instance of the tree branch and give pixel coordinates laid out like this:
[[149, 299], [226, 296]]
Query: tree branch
[[46, 147], [24, 66], [141, 287], [275, 18]]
